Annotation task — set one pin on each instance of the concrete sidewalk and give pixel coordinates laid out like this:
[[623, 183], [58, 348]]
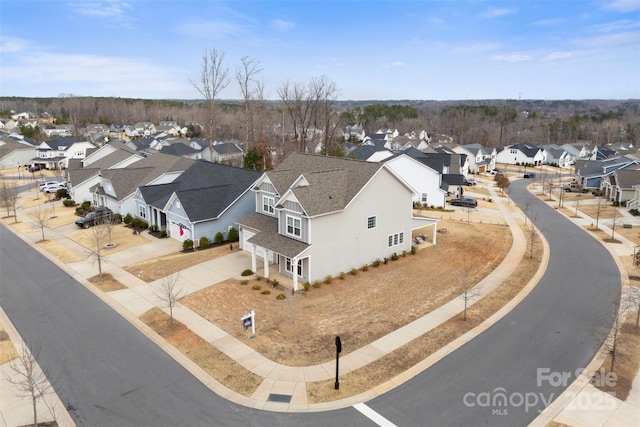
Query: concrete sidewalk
[[139, 297]]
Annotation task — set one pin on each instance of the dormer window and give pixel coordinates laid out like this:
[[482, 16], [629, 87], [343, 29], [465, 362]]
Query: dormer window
[[267, 204], [293, 226]]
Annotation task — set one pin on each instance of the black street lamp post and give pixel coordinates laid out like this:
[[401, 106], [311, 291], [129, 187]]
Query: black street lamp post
[[338, 351]]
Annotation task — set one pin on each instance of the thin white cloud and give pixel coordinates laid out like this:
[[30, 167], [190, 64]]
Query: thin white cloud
[[281, 25], [621, 5], [631, 38], [12, 44], [495, 12], [620, 25], [547, 22], [558, 55], [394, 64], [514, 57], [102, 9]]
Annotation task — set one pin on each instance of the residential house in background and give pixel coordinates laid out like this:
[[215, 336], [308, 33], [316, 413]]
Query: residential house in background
[[16, 151], [117, 187], [317, 216], [208, 198], [426, 181], [224, 152], [481, 159], [592, 174], [84, 174], [521, 154], [56, 153], [619, 186], [554, 155]]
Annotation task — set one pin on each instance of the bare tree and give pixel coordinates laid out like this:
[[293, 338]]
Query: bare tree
[[41, 219], [467, 288], [9, 196], [99, 236], [614, 336], [634, 302], [598, 211], [300, 102], [30, 379], [169, 293], [532, 233], [214, 77], [468, 210], [613, 225], [245, 75]]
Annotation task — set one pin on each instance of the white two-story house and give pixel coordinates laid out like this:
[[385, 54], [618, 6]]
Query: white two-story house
[[317, 216]]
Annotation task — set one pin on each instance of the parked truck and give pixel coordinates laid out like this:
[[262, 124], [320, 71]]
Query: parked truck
[[574, 187]]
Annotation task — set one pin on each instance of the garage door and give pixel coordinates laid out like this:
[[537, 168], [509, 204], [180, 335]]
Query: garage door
[[246, 235], [174, 231]]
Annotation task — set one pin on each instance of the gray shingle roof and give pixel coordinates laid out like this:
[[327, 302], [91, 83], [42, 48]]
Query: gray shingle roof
[[333, 182], [205, 189], [268, 237]]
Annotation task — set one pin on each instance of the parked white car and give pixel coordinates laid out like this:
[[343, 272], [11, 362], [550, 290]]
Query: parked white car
[[54, 187], [47, 184]]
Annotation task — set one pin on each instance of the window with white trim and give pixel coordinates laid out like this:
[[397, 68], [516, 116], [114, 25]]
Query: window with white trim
[[143, 211], [293, 226], [289, 266], [395, 239], [423, 198], [371, 222], [267, 204]]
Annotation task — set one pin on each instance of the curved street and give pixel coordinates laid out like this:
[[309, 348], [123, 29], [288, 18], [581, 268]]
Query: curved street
[[113, 375]]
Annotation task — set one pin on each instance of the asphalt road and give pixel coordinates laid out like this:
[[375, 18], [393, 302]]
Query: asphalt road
[[107, 373]]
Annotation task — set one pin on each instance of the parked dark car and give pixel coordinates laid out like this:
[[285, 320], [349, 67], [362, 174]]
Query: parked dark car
[[467, 202], [529, 175], [469, 181], [95, 217], [35, 168]]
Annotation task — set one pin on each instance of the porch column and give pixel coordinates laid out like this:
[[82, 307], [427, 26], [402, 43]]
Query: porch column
[[294, 263], [266, 263], [435, 229], [253, 258]]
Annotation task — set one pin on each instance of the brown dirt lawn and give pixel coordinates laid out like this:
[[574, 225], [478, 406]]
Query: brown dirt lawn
[[299, 331]]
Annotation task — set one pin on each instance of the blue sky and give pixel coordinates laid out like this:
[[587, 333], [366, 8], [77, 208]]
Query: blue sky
[[372, 50]]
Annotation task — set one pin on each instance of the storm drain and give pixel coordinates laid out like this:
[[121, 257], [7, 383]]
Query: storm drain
[[282, 398]]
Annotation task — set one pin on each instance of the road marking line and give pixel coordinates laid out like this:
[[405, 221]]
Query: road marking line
[[373, 415]]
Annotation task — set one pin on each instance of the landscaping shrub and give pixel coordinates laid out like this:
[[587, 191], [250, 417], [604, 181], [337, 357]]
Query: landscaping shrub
[[634, 212], [274, 283], [62, 193], [139, 224], [153, 228], [376, 263], [306, 286], [281, 297], [218, 238], [394, 257], [86, 206], [317, 284], [127, 218], [256, 287], [386, 260], [414, 250], [248, 272], [341, 275], [265, 292], [69, 203], [244, 282], [328, 280], [404, 253], [187, 245], [353, 271], [116, 218], [163, 233], [232, 235], [203, 243], [365, 268]]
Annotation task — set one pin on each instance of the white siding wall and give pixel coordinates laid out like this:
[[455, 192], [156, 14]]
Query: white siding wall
[[422, 178], [342, 241]]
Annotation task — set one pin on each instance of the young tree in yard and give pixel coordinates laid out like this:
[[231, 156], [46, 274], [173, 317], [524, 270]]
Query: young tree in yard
[[9, 196], [28, 378], [532, 233], [214, 77], [99, 236], [41, 219], [169, 293], [613, 224], [502, 182], [634, 302], [614, 335], [467, 288]]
